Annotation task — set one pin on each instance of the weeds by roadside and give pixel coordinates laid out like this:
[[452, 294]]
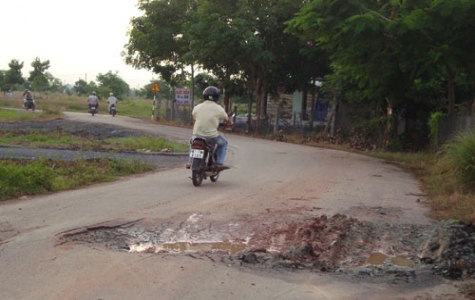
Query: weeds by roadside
[[31, 177], [84, 141]]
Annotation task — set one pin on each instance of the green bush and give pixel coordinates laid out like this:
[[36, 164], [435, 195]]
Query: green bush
[[18, 179], [458, 159]]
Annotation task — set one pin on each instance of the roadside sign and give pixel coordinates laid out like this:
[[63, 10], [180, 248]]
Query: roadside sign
[[155, 88], [182, 97]]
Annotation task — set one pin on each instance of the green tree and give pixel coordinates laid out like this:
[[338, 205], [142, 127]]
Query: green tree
[[244, 41], [54, 84], [81, 88], [203, 80], [14, 75], [386, 47], [4, 87], [112, 83], [38, 77], [434, 34], [157, 40], [391, 55]]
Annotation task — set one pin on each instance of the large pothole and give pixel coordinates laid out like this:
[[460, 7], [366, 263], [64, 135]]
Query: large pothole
[[326, 244]]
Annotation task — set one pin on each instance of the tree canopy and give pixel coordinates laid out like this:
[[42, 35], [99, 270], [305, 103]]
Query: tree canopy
[[392, 49], [237, 41], [38, 77], [14, 75], [112, 83]]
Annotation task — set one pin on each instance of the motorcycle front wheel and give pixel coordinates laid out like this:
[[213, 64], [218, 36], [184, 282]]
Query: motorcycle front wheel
[[197, 177]]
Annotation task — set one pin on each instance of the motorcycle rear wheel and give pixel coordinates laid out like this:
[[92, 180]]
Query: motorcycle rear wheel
[[197, 177]]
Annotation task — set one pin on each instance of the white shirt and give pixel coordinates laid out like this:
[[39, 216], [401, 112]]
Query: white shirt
[[207, 116], [112, 100]]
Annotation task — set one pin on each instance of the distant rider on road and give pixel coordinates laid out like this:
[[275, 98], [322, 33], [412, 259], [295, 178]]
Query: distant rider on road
[[112, 101], [93, 100], [27, 96]]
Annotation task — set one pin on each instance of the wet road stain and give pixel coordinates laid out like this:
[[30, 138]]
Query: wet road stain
[[377, 258], [222, 247]]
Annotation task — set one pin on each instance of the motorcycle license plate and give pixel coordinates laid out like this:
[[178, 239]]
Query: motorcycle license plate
[[196, 153]]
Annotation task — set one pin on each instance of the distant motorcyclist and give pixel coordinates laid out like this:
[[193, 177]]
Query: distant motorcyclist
[[27, 96], [206, 118], [93, 100], [112, 101]]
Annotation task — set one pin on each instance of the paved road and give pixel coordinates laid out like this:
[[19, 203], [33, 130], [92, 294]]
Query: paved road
[[158, 159], [263, 186]]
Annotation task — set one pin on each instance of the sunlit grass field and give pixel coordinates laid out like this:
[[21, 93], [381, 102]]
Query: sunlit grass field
[[57, 103]]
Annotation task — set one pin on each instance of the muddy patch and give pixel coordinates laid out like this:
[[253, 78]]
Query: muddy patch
[[330, 244]]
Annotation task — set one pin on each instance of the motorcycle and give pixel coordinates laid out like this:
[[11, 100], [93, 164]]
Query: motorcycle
[[203, 159], [92, 109], [29, 104], [113, 110]]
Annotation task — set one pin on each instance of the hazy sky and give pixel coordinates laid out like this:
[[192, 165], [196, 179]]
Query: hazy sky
[[80, 38]]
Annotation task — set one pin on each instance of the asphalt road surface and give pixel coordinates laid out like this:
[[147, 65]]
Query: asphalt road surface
[[269, 183]]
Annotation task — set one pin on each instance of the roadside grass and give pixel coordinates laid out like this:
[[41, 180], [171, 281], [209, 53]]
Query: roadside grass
[[32, 177], [60, 139], [147, 143], [138, 108], [20, 178], [19, 116], [15, 116]]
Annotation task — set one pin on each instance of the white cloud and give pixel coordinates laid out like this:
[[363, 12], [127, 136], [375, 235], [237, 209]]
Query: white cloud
[[79, 38]]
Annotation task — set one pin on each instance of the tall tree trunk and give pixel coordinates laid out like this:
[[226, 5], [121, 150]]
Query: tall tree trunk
[[312, 108], [304, 104], [192, 96], [258, 104], [389, 122], [450, 93]]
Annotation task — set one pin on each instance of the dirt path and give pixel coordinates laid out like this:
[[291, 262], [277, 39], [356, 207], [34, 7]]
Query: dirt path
[[286, 222]]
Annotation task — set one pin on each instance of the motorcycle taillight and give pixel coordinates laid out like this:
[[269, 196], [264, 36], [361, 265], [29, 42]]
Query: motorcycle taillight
[[198, 145]]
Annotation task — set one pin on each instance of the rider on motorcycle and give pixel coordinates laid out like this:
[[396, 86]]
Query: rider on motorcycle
[[27, 96], [206, 118], [112, 101], [93, 100]]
